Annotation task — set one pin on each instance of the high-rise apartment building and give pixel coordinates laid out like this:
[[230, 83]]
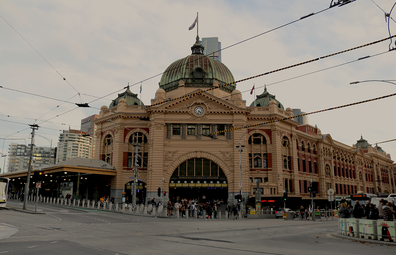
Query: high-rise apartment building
[[19, 155], [73, 144], [212, 46], [88, 126]]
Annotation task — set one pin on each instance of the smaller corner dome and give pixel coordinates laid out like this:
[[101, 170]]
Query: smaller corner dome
[[130, 98], [362, 143], [379, 149], [264, 99]]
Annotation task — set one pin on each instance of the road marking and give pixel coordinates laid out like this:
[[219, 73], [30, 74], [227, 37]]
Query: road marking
[[54, 242], [4, 252], [32, 246]]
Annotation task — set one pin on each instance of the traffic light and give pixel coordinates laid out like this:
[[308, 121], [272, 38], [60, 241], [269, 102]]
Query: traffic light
[[238, 197], [164, 193], [313, 194], [159, 192], [40, 176], [284, 196], [36, 176]]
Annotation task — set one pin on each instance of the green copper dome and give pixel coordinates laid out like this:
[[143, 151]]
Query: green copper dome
[[131, 98], [197, 70], [362, 143], [264, 99]]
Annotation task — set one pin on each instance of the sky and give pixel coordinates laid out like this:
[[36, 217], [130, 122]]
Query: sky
[[101, 46]]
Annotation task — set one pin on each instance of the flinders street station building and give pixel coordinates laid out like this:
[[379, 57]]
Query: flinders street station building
[[189, 145]]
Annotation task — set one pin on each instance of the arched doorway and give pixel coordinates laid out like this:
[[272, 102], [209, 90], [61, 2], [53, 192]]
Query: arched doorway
[[198, 178], [140, 192]]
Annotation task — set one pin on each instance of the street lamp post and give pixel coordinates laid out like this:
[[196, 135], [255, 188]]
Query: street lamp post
[[240, 168]]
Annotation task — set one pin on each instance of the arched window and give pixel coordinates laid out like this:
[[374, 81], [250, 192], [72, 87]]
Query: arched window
[[138, 137], [257, 139], [302, 146], [309, 147], [108, 140], [285, 142]]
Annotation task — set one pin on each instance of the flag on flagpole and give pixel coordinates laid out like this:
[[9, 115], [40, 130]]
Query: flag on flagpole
[[251, 92], [193, 24], [140, 88]]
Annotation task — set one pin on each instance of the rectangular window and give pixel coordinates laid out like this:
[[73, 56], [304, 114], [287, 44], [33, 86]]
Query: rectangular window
[[182, 169], [145, 159], [205, 129], [310, 166], [190, 129], [175, 129], [206, 167], [214, 170], [316, 167], [130, 157], [190, 167], [304, 166], [198, 167], [220, 128], [257, 160], [265, 160]]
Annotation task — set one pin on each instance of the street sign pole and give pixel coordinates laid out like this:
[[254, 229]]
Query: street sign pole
[[37, 192]]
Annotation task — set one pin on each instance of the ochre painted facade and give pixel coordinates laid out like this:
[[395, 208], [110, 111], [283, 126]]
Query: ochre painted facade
[[283, 155]]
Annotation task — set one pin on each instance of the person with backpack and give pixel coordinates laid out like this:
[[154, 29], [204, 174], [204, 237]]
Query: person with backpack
[[358, 211], [343, 211]]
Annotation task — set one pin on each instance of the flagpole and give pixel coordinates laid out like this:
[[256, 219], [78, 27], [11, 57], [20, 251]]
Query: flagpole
[[254, 91], [197, 24], [141, 102]]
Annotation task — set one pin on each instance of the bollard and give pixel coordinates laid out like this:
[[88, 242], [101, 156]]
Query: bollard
[[187, 212], [153, 212], [226, 214], [145, 210], [177, 213], [219, 214], [204, 215], [116, 207]]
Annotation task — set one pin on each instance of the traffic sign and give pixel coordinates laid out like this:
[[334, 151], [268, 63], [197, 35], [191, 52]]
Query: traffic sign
[[240, 184], [331, 198], [330, 192], [38, 185]]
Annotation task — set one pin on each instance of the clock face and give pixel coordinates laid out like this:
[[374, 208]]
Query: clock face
[[199, 110]]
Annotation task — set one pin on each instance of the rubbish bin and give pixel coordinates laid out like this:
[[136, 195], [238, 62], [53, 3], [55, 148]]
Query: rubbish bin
[[290, 215]]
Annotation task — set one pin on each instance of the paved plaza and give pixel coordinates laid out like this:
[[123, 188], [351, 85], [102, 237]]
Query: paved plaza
[[63, 230]]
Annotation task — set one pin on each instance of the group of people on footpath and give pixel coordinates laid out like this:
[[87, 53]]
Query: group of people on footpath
[[194, 208], [386, 210]]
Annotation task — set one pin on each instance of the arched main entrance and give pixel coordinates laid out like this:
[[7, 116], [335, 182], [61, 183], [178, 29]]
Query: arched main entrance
[[198, 178]]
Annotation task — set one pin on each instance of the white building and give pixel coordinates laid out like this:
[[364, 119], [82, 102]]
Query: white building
[[73, 144]]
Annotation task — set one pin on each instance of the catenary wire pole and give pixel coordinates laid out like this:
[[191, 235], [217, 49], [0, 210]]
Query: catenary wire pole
[[34, 127]]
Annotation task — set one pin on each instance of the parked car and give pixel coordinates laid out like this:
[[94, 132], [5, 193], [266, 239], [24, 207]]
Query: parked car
[[279, 213]]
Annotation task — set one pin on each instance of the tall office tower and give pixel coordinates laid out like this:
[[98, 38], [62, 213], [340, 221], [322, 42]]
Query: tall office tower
[[212, 45], [73, 144], [88, 126], [19, 155]]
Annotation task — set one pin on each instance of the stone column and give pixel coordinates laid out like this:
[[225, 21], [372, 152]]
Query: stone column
[[198, 131]]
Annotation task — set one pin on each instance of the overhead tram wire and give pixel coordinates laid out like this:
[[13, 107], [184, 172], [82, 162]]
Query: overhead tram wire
[[306, 74], [340, 3], [274, 71], [256, 76], [305, 114], [42, 57]]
